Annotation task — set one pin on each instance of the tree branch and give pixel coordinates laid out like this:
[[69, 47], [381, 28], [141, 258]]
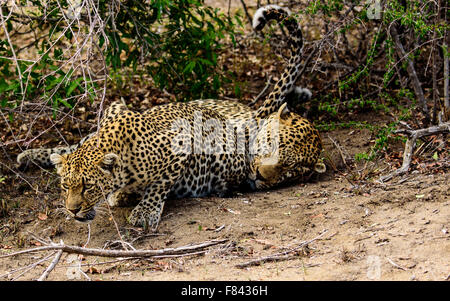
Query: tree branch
[[280, 256], [411, 72], [51, 266], [120, 253], [413, 135]]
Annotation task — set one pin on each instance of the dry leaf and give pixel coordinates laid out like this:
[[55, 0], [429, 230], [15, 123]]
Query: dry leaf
[[42, 216], [93, 270], [263, 242], [232, 211]]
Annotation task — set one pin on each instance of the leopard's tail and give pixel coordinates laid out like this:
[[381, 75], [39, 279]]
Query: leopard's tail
[[41, 156], [287, 81]]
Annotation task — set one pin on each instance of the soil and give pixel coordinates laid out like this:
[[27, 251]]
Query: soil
[[393, 231]]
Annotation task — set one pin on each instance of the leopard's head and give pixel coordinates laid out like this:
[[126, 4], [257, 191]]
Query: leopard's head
[[87, 178], [287, 149]]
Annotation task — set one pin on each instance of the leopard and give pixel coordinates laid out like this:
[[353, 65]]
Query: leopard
[[177, 150]]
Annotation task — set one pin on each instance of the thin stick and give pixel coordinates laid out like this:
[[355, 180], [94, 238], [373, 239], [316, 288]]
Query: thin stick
[[27, 268], [266, 259], [411, 72], [89, 235], [51, 266], [121, 253], [247, 14], [434, 67], [279, 256], [446, 74], [340, 151], [181, 255], [19, 72], [269, 83], [125, 246], [395, 265]]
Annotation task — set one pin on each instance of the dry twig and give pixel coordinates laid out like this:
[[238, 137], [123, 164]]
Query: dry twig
[[281, 255], [261, 94], [413, 135], [51, 266], [340, 151], [121, 253], [395, 265], [411, 72], [188, 250]]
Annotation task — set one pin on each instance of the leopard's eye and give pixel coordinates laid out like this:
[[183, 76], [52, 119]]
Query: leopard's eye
[[65, 186], [88, 186]]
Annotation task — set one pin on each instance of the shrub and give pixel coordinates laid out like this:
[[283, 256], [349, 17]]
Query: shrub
[[61, 52]]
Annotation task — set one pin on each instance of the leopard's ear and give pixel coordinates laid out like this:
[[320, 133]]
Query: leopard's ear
[[58, 161], [320, 167], [108, 163]]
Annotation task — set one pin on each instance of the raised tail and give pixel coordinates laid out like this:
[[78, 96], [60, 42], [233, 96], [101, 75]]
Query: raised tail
[[286, 83]]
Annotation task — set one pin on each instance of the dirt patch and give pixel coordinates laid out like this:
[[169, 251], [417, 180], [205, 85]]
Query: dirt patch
[[393, 231]]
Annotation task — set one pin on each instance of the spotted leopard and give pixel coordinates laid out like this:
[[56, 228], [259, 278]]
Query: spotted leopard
[[146, 153]]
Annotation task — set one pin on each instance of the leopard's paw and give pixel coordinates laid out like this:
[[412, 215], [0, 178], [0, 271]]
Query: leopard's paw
[[143, 218]]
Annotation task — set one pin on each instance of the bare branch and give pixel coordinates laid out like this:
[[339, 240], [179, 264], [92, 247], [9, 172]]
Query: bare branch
[[121, 253], [282, 255], [413, 135], [51, 266], [411, 72]]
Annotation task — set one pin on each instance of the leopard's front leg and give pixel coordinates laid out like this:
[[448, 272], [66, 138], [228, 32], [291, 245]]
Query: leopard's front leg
[[148, 212]]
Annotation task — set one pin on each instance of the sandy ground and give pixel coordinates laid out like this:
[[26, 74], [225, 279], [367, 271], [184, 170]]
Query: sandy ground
[[393, 231]]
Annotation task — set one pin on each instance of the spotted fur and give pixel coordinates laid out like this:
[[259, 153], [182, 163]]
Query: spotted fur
[[134, 152], [286, 83]]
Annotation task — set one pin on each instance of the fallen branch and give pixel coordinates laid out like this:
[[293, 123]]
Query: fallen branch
[[189, 250], [413, 135], [51, 266], [121, 253], [279, 256]]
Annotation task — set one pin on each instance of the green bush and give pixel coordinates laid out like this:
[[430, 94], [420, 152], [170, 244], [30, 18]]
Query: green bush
[[75, 51]]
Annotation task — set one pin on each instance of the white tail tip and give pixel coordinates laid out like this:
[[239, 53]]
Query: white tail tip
[[259, 14]]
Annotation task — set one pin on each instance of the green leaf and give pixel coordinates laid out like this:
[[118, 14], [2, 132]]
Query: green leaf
[[65, 103], [189, 67], [435, 156], [73, 86], [206, 62], [3, 85]]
